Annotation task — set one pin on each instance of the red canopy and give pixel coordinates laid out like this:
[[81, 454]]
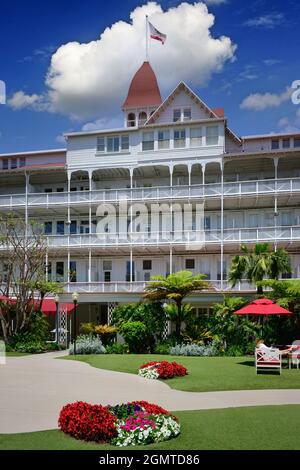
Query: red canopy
[[7, 299], [262, 307], [49, 307]]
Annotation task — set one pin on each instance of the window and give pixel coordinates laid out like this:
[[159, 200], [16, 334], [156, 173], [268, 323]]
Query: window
[[176, 115], [107, 265], [60, 228], [147, 276], [212, 135], [131, 120], [286, 143], [14, 163], [59, 271], [163, 139], [147, 264], [22, 162], [296, 143], [73, 227], [113, 144], [148, 141], [187, 114], [107, 276], [48, 190], [73, 188], [125, 142], [128, 271], [207, 224], [189, 264], [142, 118], [179, 139], [253, 220], [84, 227], [100, 144], [286, 218], [59, 190], [275, 144], [48, 228], [5, 164], [72, 271], [196, 137]]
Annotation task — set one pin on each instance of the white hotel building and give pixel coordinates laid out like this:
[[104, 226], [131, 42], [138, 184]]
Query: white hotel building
[[176, 151]]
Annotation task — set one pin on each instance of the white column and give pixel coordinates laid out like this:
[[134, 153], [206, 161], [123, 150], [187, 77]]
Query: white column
[[275, 161], [203, 165], [68, 268], [190, 174], [171, 168], [171, 259], [69, 175], [26, 202], [90, 267], [222, 221], [131, 170], [131, 260], [90, 180]]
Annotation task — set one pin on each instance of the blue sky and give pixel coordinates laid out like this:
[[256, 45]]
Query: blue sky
[[264, 60]]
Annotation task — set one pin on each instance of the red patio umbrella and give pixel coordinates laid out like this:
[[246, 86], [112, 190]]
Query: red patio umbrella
[[263, 307], [49, 307]]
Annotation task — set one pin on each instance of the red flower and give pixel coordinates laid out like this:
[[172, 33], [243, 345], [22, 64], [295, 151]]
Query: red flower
[[87, 422], [167, 370]]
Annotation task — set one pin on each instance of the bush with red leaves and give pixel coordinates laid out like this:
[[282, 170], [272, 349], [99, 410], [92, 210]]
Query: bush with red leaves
[[87, 422], [167, 370]]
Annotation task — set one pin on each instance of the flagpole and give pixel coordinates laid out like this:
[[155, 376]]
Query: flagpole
[[147, 45]]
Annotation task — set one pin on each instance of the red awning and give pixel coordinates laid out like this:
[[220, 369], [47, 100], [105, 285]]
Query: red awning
[[49, 307], [263, 307]]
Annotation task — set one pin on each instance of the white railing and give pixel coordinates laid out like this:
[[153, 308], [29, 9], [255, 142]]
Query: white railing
[[153, 193], [191, 239], [138, 287], [268, 234]]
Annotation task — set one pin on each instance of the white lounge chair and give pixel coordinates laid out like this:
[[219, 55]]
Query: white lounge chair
[[267, 358], [294, 356]]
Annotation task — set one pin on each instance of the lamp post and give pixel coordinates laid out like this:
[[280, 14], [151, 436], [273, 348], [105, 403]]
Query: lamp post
[[75, 296], [56, 300]]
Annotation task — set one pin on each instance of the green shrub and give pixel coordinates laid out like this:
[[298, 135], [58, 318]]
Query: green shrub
[[117, 348], [135, 335], [33, 347], [235, 351], [152, 316], [163, 347]]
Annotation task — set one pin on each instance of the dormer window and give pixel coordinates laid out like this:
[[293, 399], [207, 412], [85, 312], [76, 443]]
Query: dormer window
[[212, 135], [100, 144], [113, 144], [176, 115], [179, 139], [148, 141], [275, 144]]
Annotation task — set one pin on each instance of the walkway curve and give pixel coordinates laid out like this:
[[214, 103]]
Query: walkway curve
[[34, 388]]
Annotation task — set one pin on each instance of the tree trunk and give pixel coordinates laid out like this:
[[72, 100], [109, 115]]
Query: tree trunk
[[178, 321], [259, 290], [4, 329]]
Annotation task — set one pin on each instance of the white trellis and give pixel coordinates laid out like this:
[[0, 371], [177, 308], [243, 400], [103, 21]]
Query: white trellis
[[110, 308], [63, 325]]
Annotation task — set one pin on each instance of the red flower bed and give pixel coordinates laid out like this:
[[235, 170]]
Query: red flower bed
[[87, 422], [166, 369], [151, 408]]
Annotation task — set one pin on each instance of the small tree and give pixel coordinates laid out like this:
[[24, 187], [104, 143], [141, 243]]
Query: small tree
[[23, 250], [175, 287], [257, 264]]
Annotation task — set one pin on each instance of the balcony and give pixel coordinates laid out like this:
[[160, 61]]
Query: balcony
[[138, 287], [241, 188], [201, 238]]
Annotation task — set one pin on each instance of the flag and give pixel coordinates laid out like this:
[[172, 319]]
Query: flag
[[155, 34]]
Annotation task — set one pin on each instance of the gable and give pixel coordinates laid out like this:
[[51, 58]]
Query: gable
[[181, 97]]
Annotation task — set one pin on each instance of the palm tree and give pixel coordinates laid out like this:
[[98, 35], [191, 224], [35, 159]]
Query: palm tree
[[175, 287], [258, 264]]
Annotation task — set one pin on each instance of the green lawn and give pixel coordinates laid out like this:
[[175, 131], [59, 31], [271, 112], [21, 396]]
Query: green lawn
[[16, 354], [205, 373], [257, 428]]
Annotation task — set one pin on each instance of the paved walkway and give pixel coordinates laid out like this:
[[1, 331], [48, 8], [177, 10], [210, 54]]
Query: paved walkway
[[34, 388]]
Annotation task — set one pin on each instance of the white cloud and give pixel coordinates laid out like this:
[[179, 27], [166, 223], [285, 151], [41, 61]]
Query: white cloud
[[92, 79], [21, 100], [60, 139], [288, 125], [269, 21], [103, 123], [270, 62], [262, 101]]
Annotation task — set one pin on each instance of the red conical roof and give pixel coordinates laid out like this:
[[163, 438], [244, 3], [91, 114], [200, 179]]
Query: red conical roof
[[143, 90]]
